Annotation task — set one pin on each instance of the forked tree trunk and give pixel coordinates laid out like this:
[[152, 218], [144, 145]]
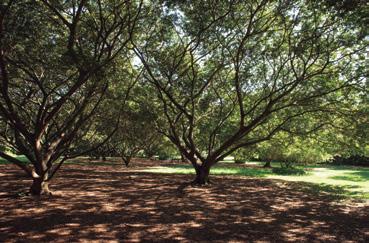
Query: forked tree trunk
[[202, 176], [126, 160], [40, 187], [40, 184]]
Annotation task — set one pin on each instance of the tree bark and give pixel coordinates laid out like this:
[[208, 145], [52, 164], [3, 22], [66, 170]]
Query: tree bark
[[183, 158], [202, 176], [126, 161], [267, 165], [40, 187]]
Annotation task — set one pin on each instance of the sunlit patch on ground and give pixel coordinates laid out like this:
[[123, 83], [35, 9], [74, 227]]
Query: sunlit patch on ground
[[342, 181], [115, 204]]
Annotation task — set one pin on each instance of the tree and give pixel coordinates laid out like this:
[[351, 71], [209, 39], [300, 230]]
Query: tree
[[232, 74], [55, 59], [137, 132]]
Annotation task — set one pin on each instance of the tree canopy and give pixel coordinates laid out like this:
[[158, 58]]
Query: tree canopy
[[213, 77]]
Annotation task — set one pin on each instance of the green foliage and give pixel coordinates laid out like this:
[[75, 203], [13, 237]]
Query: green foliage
[[356, 176], [239, 161], [230, 75], [21, 158], [217, 170], [246, 154], [56, 64], [351, 160], [164, 156], [337, 182], [166, 151], [336, 192], [278, 81]]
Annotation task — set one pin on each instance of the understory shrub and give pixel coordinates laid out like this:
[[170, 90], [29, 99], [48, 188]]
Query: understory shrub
[[164, 157], [357, 160], [289, 171], [239, 161]]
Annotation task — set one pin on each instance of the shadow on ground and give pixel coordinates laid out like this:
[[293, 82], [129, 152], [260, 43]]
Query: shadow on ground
[[112, 203], [358, 176]]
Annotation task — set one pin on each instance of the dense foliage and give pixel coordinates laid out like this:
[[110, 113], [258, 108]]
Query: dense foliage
[[270, 80], [356, 160]]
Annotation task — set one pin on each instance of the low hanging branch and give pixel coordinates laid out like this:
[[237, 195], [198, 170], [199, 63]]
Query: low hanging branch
[[255, 69], [50, 94]]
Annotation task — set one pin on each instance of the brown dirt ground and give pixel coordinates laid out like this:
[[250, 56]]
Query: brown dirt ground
[[111, 203]]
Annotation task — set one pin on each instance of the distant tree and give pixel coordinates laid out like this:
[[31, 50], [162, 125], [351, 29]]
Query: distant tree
[[232, 74], [136, 132], [55, 59], [349, 134]]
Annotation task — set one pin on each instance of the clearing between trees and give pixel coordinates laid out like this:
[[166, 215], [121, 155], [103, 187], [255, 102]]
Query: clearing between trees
[[108, 202]]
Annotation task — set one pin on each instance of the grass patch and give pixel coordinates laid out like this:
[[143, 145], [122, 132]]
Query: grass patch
[[338, 182], [3, 161], [217, 170], [346, 182], [21, 158], [99, 163], [336, 192], [356, 176]]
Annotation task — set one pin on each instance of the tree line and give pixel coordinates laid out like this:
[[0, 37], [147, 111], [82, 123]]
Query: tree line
[[207, 79]]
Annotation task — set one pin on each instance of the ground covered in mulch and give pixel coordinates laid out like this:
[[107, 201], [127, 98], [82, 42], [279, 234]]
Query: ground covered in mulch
[[112, 203]]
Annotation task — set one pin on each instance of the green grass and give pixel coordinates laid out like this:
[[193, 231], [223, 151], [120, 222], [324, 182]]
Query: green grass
[[337, 192], [22, 158], [356, 176], [349, 181], [223, 169], [338, 181], [218, 170], [76, 162], [289, 171]]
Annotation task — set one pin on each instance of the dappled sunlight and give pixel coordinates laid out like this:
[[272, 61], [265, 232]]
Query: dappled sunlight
[[355, 176], [111, 203], [342, 182]]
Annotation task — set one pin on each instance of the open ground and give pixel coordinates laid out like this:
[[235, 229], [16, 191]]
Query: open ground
[[108, 202]]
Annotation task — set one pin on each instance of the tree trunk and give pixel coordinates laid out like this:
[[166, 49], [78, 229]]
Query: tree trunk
[[40, 187], [126, 161], [202, 176], [267, 165], [183, 158]]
